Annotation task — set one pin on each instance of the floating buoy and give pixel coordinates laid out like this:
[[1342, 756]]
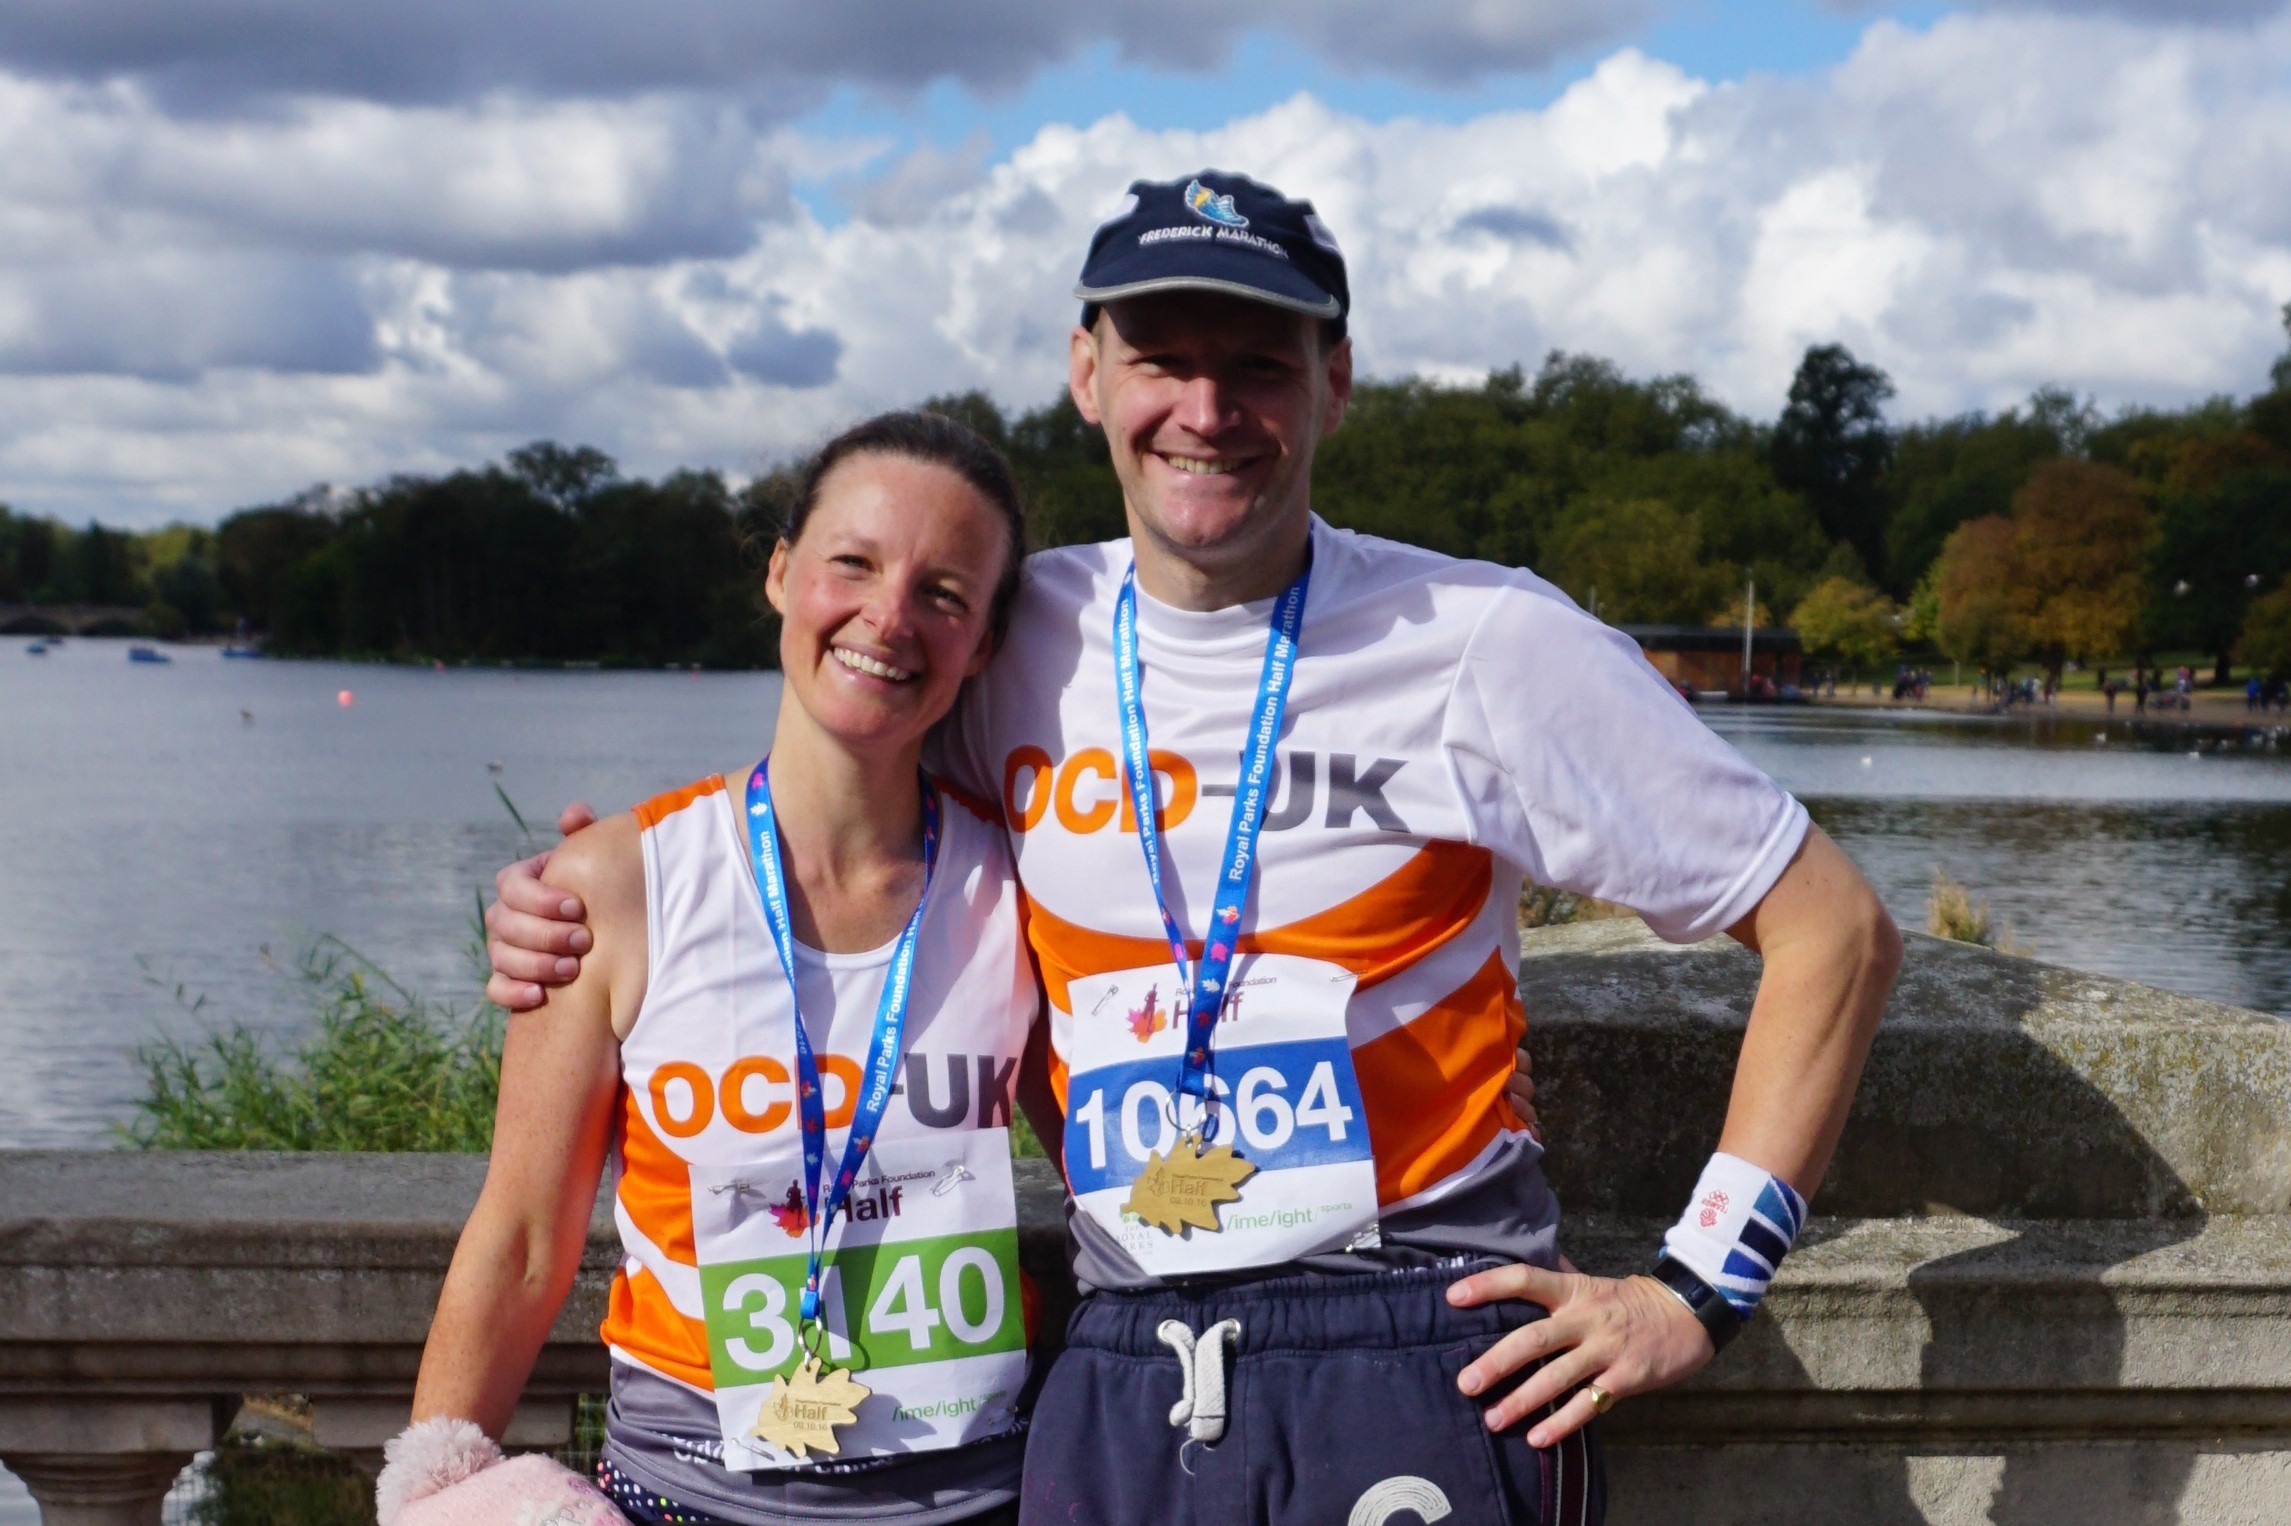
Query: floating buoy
[[494, 767], [345, 698]]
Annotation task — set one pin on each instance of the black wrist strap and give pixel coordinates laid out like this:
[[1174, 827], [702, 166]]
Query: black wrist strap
[[1707, 1303]]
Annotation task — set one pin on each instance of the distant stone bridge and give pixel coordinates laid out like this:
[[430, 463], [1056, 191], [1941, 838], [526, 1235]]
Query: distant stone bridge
[[70, 620]]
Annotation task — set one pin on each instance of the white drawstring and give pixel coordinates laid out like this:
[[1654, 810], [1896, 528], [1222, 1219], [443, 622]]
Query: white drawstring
[[1201, 1408]]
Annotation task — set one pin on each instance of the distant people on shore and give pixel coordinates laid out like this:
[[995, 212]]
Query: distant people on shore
[[2150, 687]]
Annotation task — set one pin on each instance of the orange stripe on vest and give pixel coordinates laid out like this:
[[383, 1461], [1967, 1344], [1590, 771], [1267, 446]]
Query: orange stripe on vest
[[660, 807], [655, 1185], [1376, 934], [1434, 1089], [642, 1322]]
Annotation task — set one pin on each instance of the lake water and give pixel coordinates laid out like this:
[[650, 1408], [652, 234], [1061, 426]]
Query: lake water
[[194, 823]]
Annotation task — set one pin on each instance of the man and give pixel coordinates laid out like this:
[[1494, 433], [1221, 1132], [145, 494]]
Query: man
[[1319, 1243]]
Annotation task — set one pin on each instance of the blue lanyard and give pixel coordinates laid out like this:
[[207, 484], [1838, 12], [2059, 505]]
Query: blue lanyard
[[890, 1020], [1206, 984]]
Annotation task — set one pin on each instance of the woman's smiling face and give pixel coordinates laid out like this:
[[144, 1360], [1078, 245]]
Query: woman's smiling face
[[885, 598]]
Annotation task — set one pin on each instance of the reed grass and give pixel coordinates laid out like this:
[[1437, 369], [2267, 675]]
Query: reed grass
[[382, 1069], [1951, 912]]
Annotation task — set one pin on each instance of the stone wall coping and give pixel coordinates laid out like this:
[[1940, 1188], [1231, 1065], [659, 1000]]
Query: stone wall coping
[[1904, 1304], [1999, 1087], [243, 1208]]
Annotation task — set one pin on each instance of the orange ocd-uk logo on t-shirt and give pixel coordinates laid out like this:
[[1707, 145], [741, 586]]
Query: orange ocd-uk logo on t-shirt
[[1083, 791], [756, 1093], [1086, 789]]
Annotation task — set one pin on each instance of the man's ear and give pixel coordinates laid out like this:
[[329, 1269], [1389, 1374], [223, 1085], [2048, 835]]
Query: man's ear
[[1339, 375], [776, 578], [1082, 373]]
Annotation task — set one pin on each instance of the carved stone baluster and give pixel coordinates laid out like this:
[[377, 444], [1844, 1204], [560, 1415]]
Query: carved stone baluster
[[98, 1488], [102, 1462]]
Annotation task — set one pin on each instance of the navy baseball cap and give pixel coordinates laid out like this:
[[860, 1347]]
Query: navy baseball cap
[[1216, 232]]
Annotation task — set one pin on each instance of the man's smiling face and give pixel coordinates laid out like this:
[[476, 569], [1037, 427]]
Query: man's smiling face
[[1212, 406]]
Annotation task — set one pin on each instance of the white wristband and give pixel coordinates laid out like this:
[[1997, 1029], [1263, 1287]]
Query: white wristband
[[1742, 1221]]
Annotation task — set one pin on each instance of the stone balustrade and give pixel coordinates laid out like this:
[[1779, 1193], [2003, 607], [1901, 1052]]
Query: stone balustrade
[[2048, 1281]]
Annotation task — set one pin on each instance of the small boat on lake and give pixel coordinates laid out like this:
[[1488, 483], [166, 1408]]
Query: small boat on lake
[[147, 654], [37, 649], [242, 651]]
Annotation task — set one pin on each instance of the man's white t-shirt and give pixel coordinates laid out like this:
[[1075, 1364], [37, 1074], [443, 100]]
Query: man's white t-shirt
[[1452, 728]]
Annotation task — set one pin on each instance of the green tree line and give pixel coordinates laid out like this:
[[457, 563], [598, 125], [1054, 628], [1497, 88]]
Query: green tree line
[[2045, 532]]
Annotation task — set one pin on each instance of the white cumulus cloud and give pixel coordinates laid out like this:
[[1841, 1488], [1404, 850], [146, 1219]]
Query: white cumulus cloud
[[198, 312]]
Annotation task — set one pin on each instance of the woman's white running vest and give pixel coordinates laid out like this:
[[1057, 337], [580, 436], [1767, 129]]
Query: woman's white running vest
[[706, 1129]]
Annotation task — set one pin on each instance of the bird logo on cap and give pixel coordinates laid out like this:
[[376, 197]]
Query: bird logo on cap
[[1211, 207]]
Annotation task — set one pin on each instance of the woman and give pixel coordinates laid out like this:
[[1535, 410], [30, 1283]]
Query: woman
[[796, 1039]]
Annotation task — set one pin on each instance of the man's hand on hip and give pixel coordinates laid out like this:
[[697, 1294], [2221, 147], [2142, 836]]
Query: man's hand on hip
[[1627, 1335], [534, 934]]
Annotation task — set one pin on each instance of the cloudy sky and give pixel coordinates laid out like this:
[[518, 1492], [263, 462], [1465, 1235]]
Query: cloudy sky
[[249, 245]]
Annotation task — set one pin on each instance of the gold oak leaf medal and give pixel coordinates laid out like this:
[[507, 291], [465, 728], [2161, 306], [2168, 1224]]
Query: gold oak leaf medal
[[1185, 1187], [804, 1408]]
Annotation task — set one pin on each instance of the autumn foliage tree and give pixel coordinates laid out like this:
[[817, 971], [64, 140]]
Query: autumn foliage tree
[[1973, 588], [2082, 537], [2063, 577], [1848, 621]]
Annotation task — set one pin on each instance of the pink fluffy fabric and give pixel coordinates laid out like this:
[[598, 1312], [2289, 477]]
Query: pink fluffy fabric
[[448, 1473]]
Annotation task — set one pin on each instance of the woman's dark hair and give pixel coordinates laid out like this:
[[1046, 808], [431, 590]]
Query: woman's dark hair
[[938, 441]]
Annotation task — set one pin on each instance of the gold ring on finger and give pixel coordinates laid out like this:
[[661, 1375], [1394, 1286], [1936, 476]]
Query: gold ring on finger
[[1601, 1400]]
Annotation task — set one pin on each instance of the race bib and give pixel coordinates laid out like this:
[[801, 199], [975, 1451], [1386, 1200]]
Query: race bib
[[1281, 1065], [920, 1295]]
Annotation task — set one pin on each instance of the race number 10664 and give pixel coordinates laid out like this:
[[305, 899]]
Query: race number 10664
[[1281, 1105]]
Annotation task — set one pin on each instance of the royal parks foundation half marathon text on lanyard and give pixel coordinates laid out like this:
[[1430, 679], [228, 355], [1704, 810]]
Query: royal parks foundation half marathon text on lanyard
[[939, 1353], [1261, 1153]]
